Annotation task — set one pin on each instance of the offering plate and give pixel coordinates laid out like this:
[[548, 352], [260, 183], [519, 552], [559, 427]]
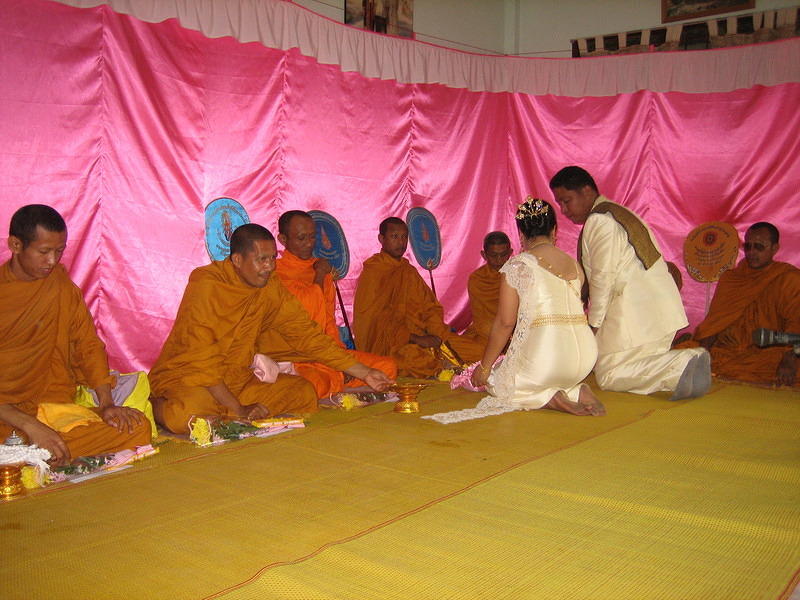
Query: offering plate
[[408, 396]]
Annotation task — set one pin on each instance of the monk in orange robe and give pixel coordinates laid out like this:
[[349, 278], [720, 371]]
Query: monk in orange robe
[[311, 281], [759, 292], [48, 346], [204, 366], [397, 314], [483, 286]]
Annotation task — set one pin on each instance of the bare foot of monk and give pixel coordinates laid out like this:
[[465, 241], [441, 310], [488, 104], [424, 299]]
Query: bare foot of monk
[[590, 402], [562, 403]]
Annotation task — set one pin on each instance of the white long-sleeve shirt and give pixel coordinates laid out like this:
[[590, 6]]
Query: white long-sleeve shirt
[[629, 306]]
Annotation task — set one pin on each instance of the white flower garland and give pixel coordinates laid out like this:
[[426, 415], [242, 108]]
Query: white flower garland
[[31, 455]]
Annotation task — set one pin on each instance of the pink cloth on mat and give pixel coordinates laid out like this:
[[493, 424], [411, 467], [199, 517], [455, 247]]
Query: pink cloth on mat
[[265, 369], [464, 379]]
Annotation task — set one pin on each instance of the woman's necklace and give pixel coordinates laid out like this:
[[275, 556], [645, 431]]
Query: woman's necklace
[[537, 244]]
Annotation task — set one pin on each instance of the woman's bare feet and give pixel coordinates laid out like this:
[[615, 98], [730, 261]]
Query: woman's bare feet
[[562, 403], [590, 402]]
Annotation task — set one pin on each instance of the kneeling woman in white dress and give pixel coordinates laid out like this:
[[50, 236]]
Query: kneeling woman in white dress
[[552, 349]]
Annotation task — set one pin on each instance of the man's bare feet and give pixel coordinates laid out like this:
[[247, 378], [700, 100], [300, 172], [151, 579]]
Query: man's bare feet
[[589, 401]]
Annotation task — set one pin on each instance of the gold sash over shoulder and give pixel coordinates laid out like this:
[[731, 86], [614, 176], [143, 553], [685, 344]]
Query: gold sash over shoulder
[[638, 236]]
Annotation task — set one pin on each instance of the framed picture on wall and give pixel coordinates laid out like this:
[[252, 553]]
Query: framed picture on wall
[[395, 17], [679, 10]]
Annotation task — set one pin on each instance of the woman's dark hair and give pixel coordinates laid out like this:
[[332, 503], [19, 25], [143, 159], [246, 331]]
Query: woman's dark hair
[[535, 217]]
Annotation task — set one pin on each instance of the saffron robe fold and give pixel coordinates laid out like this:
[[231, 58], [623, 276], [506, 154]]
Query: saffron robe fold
[[747, 299], [297, 275], [213, 341], [392, 302], [483, 288], [636, 310], [48, 347]]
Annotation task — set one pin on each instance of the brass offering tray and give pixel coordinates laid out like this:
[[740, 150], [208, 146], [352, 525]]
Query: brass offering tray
[[408, 396]]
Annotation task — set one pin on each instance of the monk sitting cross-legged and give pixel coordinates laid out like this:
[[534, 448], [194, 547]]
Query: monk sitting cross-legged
[[759, 292], [483, 286], [397, 314], [204, 366], [49, 346], [310, 280]]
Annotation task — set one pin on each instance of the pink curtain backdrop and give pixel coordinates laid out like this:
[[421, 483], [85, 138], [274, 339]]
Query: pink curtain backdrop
[[131, 128]]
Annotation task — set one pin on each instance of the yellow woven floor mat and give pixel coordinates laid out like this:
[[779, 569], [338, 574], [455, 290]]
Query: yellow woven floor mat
[[470, 498], [700, 502]]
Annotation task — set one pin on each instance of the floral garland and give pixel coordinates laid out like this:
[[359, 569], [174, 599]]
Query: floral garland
[[213, 430], [37, 475], [352, 400]]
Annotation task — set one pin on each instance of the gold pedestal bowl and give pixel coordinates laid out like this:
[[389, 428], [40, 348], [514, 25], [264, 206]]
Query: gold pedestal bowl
[[408, 396], [11, 482]]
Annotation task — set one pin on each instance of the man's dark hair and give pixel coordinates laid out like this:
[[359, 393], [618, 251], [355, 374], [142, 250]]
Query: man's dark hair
[[384, 226], [572, 178], [774, 234], [495, 238], [286, 218], [245, 236], [26, 219]]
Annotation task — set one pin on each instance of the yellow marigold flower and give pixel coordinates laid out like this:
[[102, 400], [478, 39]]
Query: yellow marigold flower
[[350, 401], [200, 432], [32, 477], [445, 374]]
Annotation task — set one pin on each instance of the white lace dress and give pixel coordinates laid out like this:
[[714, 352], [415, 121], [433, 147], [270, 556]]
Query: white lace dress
[[552, 347]]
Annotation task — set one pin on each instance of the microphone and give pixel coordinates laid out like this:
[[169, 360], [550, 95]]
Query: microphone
[[769, 337]]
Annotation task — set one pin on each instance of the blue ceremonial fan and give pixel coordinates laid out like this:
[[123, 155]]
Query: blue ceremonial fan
[[331, 243], [426, 243], [222, 216], [423, 233]]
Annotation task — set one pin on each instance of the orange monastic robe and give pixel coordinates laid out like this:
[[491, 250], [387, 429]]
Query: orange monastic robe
[[483, 288], [48, 346], [213, 341], [392, 302], [747, 299], [297, 275]]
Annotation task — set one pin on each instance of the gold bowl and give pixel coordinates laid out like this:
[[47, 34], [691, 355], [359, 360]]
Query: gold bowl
[[408, 396], [11, 482]]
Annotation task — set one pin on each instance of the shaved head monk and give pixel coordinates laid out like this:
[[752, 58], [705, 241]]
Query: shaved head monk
[[759, 292], [397, 314], [49, 346], [483, 285], [204, 366], [310, 280]]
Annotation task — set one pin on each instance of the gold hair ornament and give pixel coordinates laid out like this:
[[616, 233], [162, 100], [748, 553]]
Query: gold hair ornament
[[532, 207]]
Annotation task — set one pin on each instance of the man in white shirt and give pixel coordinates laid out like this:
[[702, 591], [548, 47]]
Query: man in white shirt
[[634, 306]]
